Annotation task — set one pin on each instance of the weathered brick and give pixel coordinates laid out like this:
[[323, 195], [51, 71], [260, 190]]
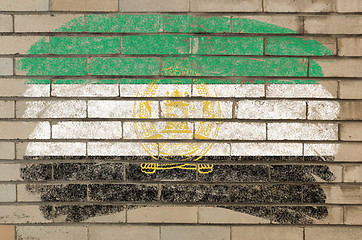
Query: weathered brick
[[323, 89], [241, 131], [335, 216], [350, 89], [224, 216], [154, 5], [21, 214], [349, 6], [85, 45], [336, 68], [350, 111], [351, 131], [24, 87], [24, 45], [84, 5], [324, 110], [267, 233], [123, 66], [6, 23], [343, 194], [87, 130], [162, 214], [195, 232], [50, 149], [344, 152], [7, 232], [10, 172], [271, 109], [7, 150], [267, 24], [52, 232], [226, 6], [51, 109], [298, 6], [49, 23], [66, 88], [7, 192], [302, 131], [336, 24], [7, 109], [118, 149], [352, 215], [266, 149], [156, 44], [124, 232], [25, 130], [6, 66], [117, 109], [350, 46], [19, 5], [332, 233], [352, 173]]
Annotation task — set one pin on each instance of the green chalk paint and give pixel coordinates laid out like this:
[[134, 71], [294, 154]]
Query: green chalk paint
[[85, 45], [124, 66], [81, 81], [53, 66], [315, 70], [40, 47], [246, 25], [156, 44], [76, 25], [155, 81], [295, 46]]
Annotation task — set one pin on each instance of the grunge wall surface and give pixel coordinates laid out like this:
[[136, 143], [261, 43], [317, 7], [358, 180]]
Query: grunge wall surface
[[180, 119]]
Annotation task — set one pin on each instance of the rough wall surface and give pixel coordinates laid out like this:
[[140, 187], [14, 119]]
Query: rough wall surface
[[180, 119]]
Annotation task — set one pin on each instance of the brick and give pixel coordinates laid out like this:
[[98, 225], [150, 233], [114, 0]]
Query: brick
[[49, 23], [302, 131], [226, 6], [271, 109], [51, 66], [241, 131], [51, 109], [350, 46], [52, 232], [323, 89], [124, 232], [351, 131], [162, 214], [353, 215], [85, 45], [84, 5], [122, 23], [224, 216], [10, 172], [343, 194], [333, 233], [6, 66], [335, 68], [350, 89], [335, 216], [267, 233], [349, 6], [7, 232], [22, 214], [195, 232], [130, 131], [19, 5], [266, 149], [267, 24], [117, 109], [124, 66], [227, 45], [25, 130], [7, 150], [86, 130], [24, 45], [51, 149], [11, 87], [194, 24], [118, 149], [25, 193], [352, 173], [7, 109], [337, 24], [344, 152], [65, 89], [154, 5], [350, 111], [296, 46], [197, 108], [323, 110], [297, 6], [6, 23], [156, 44], [7, 192]]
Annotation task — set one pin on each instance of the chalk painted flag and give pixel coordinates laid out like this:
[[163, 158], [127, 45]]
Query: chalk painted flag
[[175, 112]]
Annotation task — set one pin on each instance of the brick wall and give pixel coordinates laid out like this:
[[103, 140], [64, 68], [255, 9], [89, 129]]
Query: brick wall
[[180, 119]]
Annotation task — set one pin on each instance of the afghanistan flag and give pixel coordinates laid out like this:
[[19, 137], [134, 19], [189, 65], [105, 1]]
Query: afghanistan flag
[[178, 110]]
